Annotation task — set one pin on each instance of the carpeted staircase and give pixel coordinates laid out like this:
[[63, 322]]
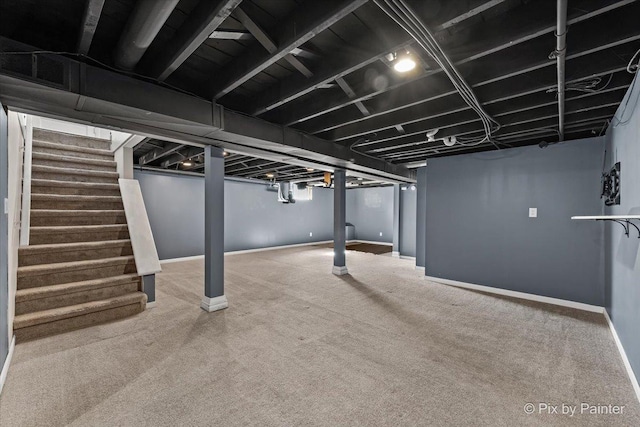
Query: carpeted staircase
[[79, 269]]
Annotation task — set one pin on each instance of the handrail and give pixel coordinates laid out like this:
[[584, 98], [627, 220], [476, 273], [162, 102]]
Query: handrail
[[144, 247], [25, 213]]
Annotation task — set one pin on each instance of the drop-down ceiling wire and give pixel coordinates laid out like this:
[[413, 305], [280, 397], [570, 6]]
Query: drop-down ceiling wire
[[404, 16]]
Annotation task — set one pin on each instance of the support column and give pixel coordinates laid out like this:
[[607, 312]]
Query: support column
[[124, 160], [149, 288], [339, 222], [214, 298], [396, 221], [421, 219]]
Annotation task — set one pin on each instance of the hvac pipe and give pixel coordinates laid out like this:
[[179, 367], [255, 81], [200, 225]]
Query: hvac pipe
[[142, 27], [560, 55]]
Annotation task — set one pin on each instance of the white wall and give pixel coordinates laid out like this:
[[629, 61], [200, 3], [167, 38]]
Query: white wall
[[15, 157]]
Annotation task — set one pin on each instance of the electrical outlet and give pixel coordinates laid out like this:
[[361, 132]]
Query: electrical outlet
[[533, 212], [310, 234]]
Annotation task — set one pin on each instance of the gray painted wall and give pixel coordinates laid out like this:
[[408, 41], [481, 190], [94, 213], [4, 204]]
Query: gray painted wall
[[253, 216], [4, 241], [478, 229], [622, 277], [408, 221], [370, 210]]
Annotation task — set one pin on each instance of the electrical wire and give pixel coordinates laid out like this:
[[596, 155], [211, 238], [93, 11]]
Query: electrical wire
[[408, 20], [632, 68], [109, 67]]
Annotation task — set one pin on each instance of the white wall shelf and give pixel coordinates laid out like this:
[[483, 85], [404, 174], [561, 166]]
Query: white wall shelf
[[624, 220]]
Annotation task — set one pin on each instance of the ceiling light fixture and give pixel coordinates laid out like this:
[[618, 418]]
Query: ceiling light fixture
[[270, 175], [310, 169], [187, 163], [404, 63], [431, 135]]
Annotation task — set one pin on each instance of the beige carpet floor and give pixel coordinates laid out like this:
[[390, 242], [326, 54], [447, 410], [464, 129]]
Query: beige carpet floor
[[299, 346]]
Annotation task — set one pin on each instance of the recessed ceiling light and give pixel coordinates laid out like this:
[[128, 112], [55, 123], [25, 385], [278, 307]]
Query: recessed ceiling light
[[360, 178], [224, 153], [187, 163], [404, 63], [310, 169], [270, 175]]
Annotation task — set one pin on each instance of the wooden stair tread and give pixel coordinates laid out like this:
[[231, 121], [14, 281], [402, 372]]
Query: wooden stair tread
[[40, 143], [41, 269], [74, 171], [79, 228], [72, 159], [74, 197], [65, 288], [52, 315], [74, 184], [74, 246]]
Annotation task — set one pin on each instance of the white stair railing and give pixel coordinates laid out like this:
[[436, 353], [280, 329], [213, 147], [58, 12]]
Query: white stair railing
[[26, 123]]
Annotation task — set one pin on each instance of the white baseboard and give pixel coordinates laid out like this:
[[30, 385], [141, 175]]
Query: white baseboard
[[7, 362], [419, 268], [187, 258], [269, 248], [151, 304], [411, 258], [623, 354], [395, 254], [214, 304], [520, 295], [340, 271]]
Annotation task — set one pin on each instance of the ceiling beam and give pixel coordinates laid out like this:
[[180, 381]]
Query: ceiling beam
[[92, 12], [264, 39], [307, 20], [483, 59], [205, 18], [394, 38], [159, 153], [101, 97]]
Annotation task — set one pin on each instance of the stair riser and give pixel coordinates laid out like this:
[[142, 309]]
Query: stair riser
[[73, 204], [44, 239], [77, 191], [73, 165], [68, 256], [73, 177], [69, 153], [73, 140], [101, 219], [69, 276], [75, 298], [78, 322]]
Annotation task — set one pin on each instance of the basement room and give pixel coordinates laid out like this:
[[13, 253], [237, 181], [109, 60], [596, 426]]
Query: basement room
[[322, 213]]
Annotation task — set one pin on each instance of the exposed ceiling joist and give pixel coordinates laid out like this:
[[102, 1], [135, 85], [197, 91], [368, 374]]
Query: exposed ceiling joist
[[521, 29], [90, 19], [230, 35], [159, 153], [351, 94], [180, 156], [198, 27], [264, 39], [307, 21], [394, 38]]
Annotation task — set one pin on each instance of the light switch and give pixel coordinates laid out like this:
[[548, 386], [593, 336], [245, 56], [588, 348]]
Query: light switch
[[533, 212]]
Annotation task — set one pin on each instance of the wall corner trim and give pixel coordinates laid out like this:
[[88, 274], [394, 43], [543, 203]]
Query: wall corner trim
[[520, 295], [7, 362], [623, 354]]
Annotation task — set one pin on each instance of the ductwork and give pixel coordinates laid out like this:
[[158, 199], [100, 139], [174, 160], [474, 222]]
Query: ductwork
[[560, 54], [144, 24]]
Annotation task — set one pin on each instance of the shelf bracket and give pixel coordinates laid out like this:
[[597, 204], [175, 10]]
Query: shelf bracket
[[626, 224]]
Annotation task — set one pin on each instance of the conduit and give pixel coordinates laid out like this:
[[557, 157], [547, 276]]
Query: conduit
[[560, 54], [144, 24]]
